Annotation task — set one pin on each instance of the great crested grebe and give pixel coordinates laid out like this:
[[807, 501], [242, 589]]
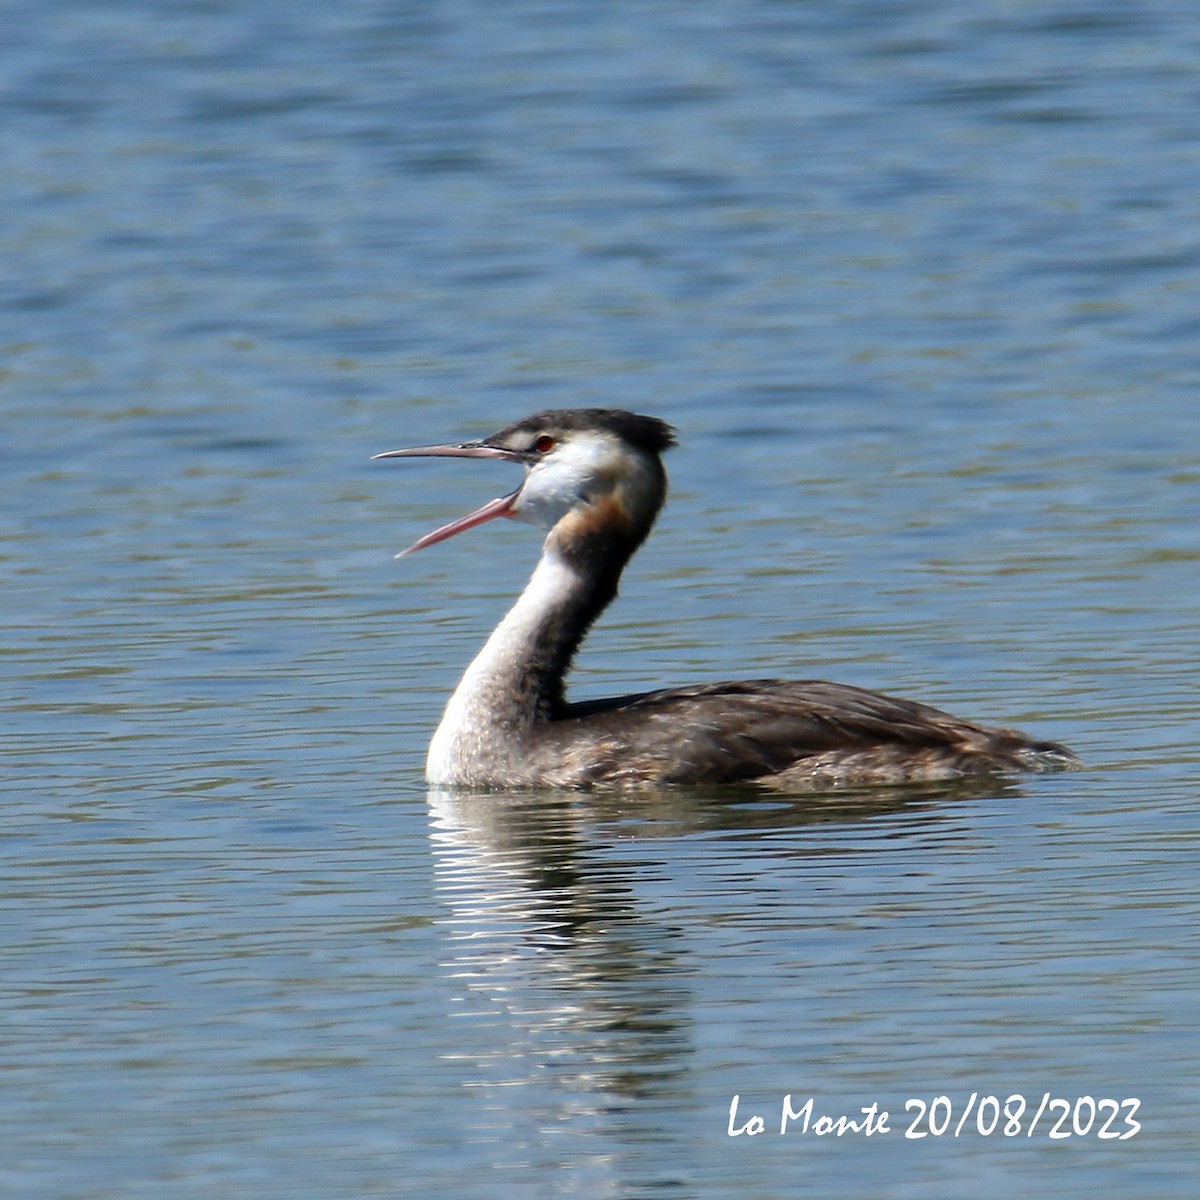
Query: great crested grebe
[[594, 478]]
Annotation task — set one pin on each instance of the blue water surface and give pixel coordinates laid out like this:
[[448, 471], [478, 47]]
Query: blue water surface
[[917, 283]]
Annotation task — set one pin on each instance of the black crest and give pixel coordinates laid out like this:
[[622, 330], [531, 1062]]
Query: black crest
[[647, 433]]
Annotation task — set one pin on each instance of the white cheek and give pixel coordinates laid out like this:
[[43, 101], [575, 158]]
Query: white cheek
[[545, 506], [555, 487]]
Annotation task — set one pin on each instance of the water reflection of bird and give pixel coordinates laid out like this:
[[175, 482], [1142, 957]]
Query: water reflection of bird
[[594, 478]]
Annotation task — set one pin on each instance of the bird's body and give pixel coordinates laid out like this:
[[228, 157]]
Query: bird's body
[[594, 478]]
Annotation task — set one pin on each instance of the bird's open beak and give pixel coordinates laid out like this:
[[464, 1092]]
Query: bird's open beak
[[500, 507]]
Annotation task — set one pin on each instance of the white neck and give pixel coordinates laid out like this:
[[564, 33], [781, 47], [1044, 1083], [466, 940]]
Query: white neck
[[505, 690]]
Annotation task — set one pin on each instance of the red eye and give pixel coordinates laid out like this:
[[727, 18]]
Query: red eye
[[544, 444]]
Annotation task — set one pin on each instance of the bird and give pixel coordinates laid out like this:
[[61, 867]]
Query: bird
[[594, 479]]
